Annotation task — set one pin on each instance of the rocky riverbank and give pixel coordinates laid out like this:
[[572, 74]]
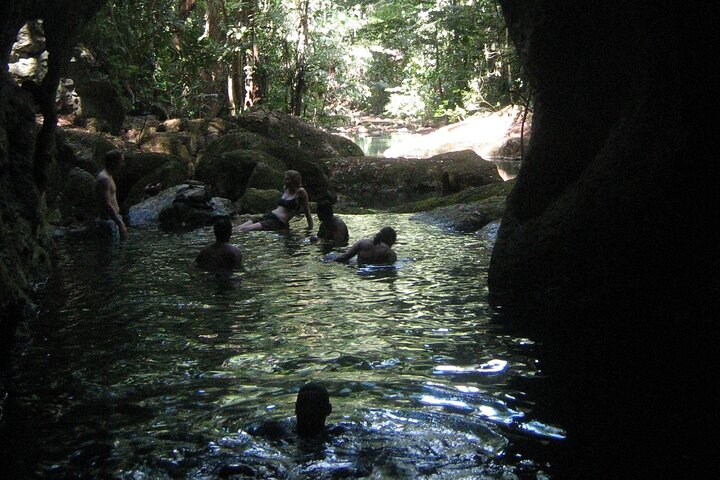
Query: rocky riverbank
[[241, 162]]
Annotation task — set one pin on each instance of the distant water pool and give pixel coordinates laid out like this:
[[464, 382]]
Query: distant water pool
[[143, 367], [376, 145]]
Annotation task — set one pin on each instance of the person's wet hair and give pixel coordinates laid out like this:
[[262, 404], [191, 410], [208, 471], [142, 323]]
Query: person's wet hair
[[294, 178], [324, 210], [222, 229], [113, 158], [311, 409], [387, 236]]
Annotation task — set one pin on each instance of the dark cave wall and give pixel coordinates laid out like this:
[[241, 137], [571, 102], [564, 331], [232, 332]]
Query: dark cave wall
[[26, 152], [606, 253]]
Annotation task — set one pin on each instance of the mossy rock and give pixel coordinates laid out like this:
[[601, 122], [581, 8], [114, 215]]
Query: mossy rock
[[258, 201], [177, 144], [267, 174], [229, 172], [79, 148], [100, 99], [235, 140], [140, 166], [77, 202], [493, 195], [379, 182], [290, 131], [169, 174]]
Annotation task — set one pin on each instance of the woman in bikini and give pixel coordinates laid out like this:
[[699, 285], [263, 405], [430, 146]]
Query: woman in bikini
[[293, 200]]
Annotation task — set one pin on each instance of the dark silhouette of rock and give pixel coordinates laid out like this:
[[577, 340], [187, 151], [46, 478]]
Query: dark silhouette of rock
[[230, 172], [380, 182], [605, 254], [76, 202], [100, 99]]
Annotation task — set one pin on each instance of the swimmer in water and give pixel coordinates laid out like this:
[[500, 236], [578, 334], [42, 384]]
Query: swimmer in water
[[377, 251], [332, 228], [220, 255], [312, 407]]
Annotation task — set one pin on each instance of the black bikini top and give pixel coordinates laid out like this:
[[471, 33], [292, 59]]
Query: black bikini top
[[290, 204]]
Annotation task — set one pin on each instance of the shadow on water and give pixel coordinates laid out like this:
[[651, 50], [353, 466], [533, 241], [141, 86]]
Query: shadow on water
[[142, 366]]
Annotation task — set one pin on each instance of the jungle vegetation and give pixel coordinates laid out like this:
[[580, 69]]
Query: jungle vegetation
[[319, 59]]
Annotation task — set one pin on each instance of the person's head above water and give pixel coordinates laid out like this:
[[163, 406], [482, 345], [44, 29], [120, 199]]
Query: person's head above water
[[325, 211], [311, 409], [222, 229], [386, 235]]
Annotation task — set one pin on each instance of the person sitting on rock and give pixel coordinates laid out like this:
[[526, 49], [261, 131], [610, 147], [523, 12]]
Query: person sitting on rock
[[377, 251], [332, 228], [293, 201], [220, 255]]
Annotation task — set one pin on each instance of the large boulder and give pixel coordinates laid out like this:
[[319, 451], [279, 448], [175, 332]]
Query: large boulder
[[76, 202], [77, 150], [170, 173], [83, 149], [183, 215], [380, 182], [465, 211], [142, 169], [182, 207], [290, 131], [100, 99], [183, 145], [466, 217], [608, 252], [230, 172], [300, 147], [147, 211], [258, 201]]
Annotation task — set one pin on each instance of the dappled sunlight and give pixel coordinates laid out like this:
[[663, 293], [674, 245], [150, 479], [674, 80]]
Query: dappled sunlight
[[483, 133]]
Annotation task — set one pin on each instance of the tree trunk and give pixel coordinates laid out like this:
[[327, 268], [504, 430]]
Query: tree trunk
[[298, 80]]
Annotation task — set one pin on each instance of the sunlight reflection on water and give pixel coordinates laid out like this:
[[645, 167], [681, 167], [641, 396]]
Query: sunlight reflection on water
[[161, 368]]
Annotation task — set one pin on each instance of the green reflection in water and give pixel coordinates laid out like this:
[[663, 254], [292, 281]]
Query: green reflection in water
[[145, 366]]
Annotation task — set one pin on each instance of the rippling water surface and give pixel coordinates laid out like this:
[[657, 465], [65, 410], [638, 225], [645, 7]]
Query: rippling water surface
[[145, 367]]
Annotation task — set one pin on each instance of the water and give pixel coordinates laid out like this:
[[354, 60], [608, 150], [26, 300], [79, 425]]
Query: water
[[143, 367], [377, 145]]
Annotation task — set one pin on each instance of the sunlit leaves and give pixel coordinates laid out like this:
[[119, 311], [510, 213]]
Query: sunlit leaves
[[413, 58]]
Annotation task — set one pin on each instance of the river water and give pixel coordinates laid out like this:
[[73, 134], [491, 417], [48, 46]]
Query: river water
[[140, 366], [376, 146]]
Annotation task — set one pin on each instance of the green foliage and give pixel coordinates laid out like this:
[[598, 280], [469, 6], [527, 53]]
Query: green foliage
[[406, 58]]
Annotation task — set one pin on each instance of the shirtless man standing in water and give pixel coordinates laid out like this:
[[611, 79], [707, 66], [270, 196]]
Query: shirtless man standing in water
[[109, 221]]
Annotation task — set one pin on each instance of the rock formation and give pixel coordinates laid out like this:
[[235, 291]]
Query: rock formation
[[606, 253]]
